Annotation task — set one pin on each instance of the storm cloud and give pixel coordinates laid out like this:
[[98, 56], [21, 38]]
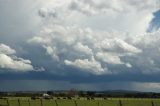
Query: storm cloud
[[81, 41]]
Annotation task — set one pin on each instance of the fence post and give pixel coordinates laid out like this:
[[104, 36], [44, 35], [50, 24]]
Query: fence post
[[120, 103], [75, 103], [19, 104], [29, 102], [41, 102], [56, 103], [98, 103], [152, 103], [7, 102]]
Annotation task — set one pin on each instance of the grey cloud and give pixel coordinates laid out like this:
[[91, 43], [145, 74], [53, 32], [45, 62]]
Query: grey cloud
[[43, 12]]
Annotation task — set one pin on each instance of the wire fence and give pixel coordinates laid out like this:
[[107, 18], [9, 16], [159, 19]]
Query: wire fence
[[58, 102]]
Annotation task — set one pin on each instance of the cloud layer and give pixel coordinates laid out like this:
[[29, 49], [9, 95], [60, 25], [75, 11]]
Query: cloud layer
[[102, 37], [98, 37]]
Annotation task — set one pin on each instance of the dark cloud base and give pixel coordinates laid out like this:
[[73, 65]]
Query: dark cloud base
[[80, 79], [45, 85]]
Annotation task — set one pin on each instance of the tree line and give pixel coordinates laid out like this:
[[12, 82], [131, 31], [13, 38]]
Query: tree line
[[76, 93]]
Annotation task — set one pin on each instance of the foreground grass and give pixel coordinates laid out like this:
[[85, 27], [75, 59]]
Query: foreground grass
[[82, 102]]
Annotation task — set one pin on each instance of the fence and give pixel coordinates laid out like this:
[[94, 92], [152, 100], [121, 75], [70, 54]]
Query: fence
[[53, 102]]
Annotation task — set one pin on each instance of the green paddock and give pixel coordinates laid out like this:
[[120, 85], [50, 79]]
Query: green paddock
[[20, 101]]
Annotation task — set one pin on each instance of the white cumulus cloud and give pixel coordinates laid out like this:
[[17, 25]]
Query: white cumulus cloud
[[10, 62], [83, 48], [94, 35], [92, 65], [6, 49]]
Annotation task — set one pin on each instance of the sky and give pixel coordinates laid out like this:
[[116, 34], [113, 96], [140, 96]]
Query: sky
[[81, 44]]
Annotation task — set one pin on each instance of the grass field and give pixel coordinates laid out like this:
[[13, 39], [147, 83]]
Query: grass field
[[81, 102]]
